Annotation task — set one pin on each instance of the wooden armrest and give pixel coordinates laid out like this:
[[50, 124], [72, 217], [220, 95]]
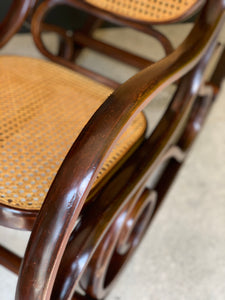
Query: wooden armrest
[[14, 19], [80, 167]]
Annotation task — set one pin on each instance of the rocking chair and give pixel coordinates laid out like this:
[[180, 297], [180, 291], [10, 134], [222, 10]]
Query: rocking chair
[[75, 158]]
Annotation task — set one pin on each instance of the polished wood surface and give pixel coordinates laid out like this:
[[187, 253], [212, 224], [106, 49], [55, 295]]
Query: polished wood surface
[[18, 12], [109, 50], [10, 260], [84, 38], [87, 244], [73, 182], [219, 73]]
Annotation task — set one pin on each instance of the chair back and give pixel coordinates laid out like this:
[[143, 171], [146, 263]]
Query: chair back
[[150, 11]]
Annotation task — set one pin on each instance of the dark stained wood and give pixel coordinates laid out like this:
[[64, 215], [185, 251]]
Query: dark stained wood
[[24, 219], [83, 38], [68, 53], [118, 198], [73, 182], [197, 117], [17, 218], [88, 29], [9, 260], [110, 226], [111, 51], [40, 14], [219, 73], [18, 12], [66, 41]]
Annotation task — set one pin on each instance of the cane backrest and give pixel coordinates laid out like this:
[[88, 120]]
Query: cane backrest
[[152, 11]]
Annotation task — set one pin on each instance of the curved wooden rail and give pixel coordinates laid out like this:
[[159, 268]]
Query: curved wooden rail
[[99, 247], [86, 7], [18, 12], [73, 182], [83, 40]]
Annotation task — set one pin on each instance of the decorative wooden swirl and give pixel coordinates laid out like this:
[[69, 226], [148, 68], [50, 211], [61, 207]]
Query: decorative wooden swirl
[[119, 242], [57, 259], [97, 251]]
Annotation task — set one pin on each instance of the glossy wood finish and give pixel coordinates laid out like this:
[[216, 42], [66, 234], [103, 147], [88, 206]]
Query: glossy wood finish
[[117, 239], [88, 244], [18, 12], [73, 182], [88, 29], [9, 260], [109, 50], [16, 218], [84, 38], [219, 73], [67, 50]]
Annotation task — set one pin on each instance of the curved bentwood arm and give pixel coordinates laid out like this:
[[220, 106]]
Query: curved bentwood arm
[[15, 17], [72, 184]]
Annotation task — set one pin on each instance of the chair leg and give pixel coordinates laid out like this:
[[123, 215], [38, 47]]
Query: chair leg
[[219, 72], [90, 26], [10, 260]]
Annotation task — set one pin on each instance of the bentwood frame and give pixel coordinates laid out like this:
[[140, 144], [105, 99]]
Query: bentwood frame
[[65, 255]]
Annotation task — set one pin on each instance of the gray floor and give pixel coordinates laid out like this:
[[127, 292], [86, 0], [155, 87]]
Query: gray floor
[[183, 254]]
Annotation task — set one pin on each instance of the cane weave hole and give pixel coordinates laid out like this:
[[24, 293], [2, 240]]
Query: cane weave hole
[[146, 10], [43, 109]]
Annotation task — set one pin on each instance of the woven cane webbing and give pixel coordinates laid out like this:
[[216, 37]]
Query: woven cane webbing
[[146, 10], [43, 109]]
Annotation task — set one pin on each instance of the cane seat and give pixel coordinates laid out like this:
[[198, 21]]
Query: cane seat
[[153, 11], [43, 109]]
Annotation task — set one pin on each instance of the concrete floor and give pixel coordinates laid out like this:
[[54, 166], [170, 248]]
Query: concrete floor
[[183, 254]]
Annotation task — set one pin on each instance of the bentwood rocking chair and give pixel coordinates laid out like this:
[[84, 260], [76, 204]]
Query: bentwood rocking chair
[[74, 157]]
